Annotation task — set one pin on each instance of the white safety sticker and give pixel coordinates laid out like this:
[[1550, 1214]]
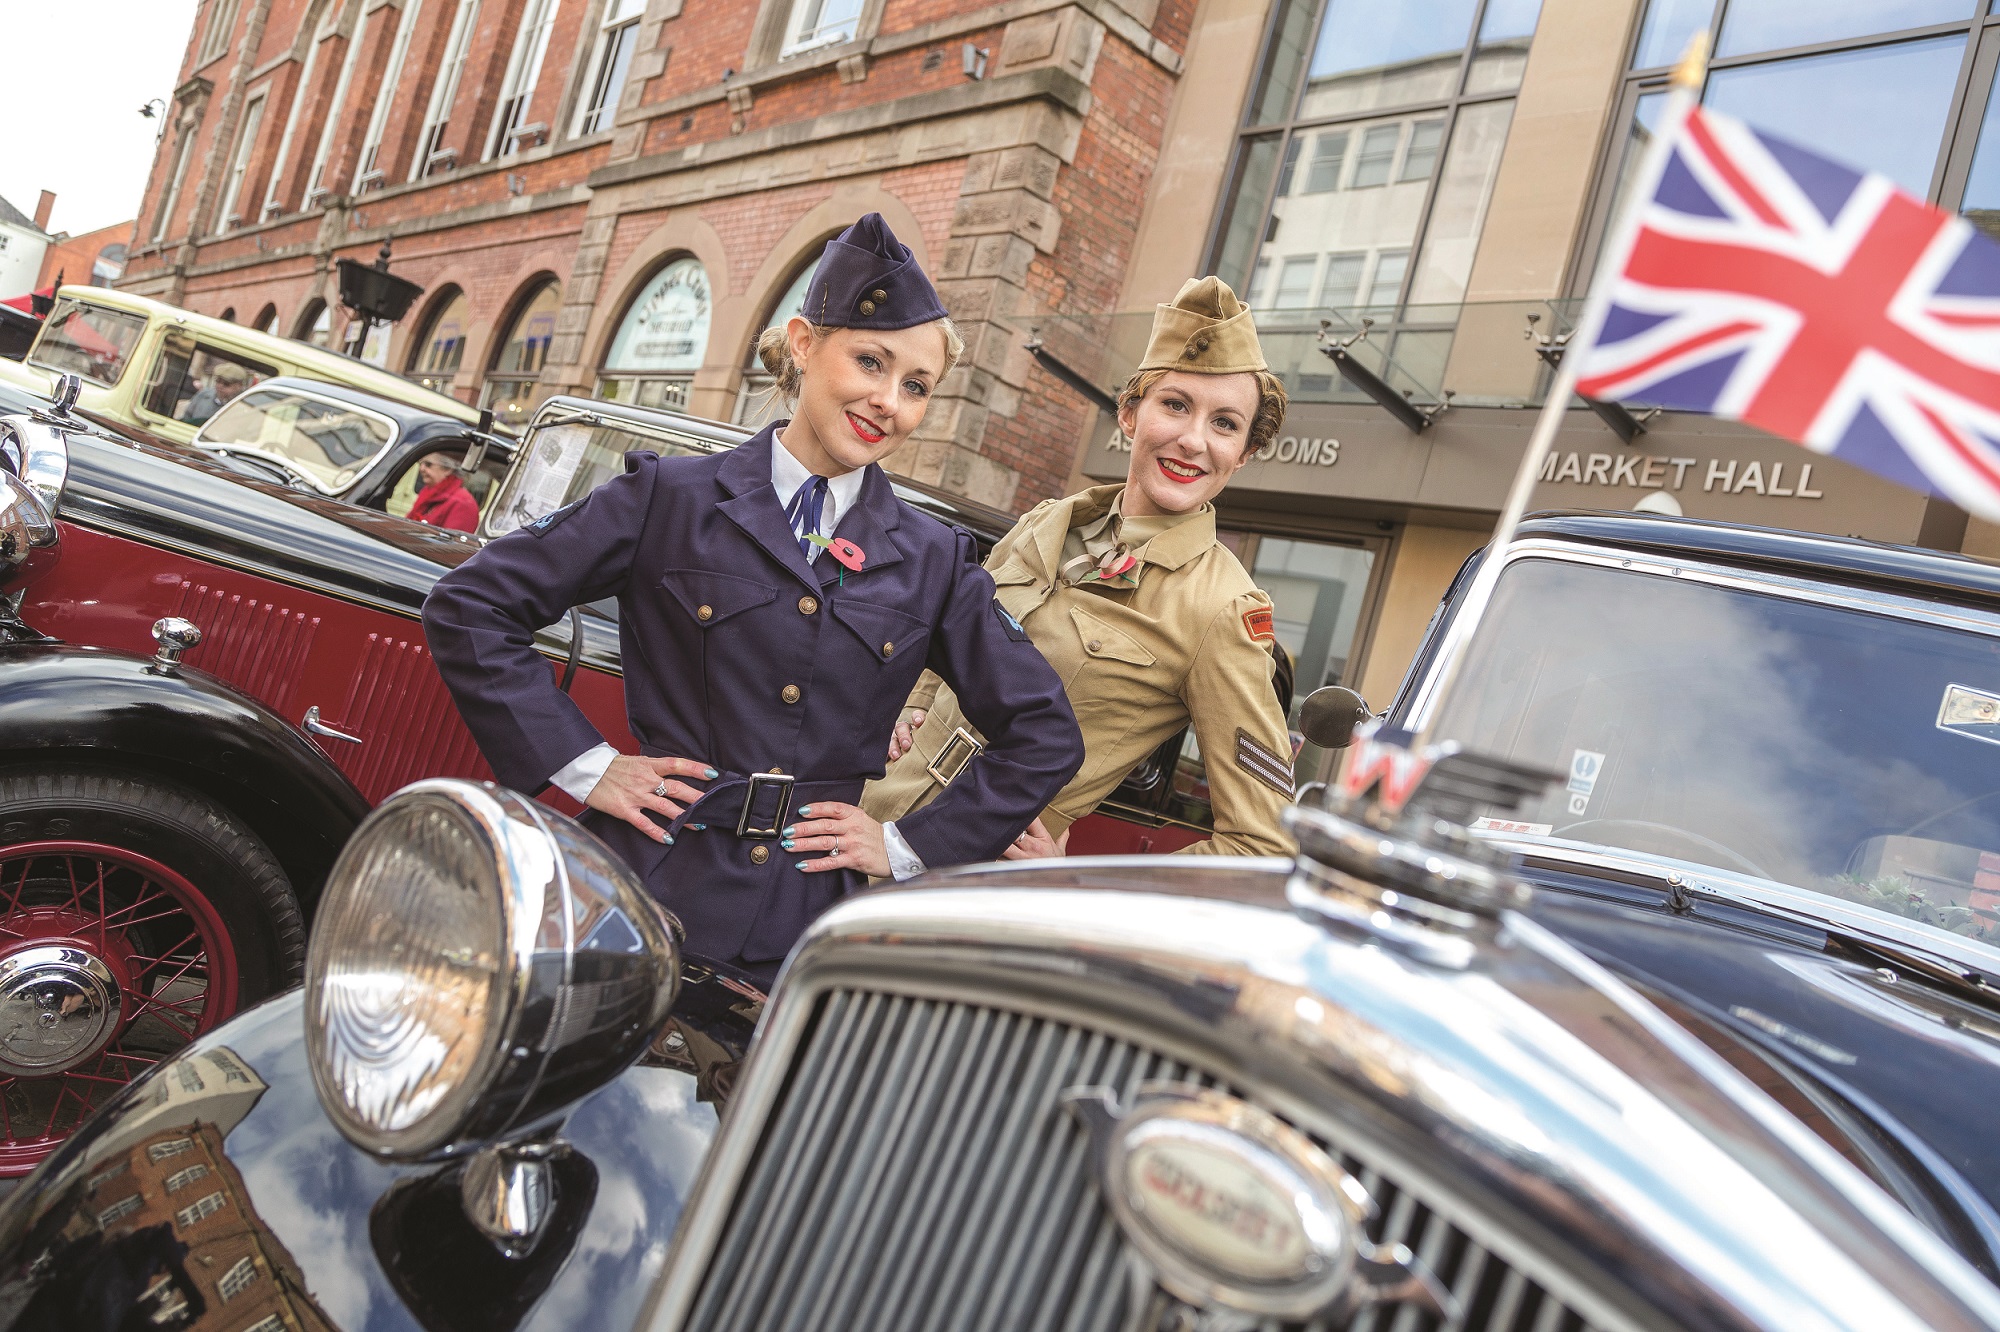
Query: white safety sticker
[[1584, 768]]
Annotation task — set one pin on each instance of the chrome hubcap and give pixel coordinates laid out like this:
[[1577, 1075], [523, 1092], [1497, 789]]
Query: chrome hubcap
[[59, 1005]]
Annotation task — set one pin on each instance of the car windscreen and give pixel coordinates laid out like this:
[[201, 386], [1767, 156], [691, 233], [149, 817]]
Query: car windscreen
[[1841, 751], [88, 340], [561, 463], [329, 443]]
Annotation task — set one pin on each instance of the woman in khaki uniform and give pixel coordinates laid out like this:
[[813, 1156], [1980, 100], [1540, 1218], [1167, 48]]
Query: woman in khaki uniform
[[1150, 622]]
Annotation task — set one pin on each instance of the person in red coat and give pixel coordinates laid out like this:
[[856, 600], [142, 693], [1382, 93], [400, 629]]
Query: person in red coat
[[444, 501]]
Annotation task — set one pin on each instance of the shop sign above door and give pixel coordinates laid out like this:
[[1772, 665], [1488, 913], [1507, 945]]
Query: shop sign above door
[[1726, 476]]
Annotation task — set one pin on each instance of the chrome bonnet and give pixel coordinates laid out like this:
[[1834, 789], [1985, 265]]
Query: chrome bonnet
[[1510, 1084]]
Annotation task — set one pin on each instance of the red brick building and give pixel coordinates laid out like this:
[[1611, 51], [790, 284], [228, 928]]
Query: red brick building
[[616, 196]]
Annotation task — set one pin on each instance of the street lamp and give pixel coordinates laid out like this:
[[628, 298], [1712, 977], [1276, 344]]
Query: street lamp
[[156, 109]]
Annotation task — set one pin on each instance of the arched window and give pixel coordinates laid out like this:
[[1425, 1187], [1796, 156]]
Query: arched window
[[661, 340], [757, 400], [228, 314], [267, 319], [435, 354], [315, 324], [518, 360]]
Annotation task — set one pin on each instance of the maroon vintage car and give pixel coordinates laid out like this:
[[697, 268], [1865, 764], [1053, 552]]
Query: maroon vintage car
[[208, 677]]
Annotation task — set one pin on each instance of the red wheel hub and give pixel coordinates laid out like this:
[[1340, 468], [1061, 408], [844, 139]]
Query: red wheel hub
[[109, 962]]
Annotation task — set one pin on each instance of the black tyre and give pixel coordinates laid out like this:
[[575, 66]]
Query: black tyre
[[136, 914]]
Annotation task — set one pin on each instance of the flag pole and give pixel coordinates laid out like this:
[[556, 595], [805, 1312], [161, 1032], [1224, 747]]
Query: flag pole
[[1686, 93]]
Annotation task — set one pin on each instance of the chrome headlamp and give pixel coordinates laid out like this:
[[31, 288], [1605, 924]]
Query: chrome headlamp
[[478, 964]]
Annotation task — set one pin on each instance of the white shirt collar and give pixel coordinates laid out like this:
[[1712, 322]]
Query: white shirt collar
[[788, 474]]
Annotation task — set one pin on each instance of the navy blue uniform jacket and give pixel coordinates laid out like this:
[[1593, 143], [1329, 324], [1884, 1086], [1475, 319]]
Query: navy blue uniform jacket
[[719, 613]]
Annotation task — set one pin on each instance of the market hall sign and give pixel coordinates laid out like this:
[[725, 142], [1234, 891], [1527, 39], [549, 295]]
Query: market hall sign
[[1726, 476]]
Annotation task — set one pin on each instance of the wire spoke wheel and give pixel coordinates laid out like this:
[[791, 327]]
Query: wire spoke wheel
[[110, 962]]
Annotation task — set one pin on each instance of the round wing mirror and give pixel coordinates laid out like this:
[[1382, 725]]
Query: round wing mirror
[[1329, 715]]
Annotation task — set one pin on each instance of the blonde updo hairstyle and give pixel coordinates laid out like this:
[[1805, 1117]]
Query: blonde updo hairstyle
[[774, 349], [1271, 401]]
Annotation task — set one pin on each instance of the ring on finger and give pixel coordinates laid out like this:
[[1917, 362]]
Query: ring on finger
[[661, 789], [836, 844]]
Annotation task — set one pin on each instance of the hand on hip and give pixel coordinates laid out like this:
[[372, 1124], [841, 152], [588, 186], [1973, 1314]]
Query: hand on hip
[[848, 837], [633, 785]]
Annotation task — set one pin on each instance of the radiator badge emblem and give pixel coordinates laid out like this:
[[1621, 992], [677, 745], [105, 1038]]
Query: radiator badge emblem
[[1237, 1214]]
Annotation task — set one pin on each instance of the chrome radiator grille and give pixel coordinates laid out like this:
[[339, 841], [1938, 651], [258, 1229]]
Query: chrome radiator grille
[[918, 1174]]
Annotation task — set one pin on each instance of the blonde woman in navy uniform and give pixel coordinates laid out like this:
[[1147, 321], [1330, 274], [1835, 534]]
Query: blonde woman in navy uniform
[[777, 603]]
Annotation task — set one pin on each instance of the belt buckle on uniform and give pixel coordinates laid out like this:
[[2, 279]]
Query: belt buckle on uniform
[[961, 749], [781, 780]]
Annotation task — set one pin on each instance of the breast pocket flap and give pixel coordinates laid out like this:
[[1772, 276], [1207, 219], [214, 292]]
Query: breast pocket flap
[[1101, 640], [710, 598], [886, 632]]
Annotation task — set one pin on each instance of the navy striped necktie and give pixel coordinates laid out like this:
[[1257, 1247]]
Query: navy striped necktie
[[804, 512]]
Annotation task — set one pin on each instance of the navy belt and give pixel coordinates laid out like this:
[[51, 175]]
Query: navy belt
[[756, 806]]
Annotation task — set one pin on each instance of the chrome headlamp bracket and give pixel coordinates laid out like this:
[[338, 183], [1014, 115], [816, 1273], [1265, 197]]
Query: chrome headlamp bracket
[[1237, 1215]]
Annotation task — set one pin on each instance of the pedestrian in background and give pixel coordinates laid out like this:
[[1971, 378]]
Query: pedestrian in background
[[777, 603], [443, 500], [1149, 620]]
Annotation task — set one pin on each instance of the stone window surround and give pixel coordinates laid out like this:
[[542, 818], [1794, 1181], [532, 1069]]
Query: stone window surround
[[1120, 17], [767, 36]]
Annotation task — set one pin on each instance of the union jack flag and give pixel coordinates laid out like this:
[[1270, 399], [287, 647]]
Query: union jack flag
[[1822, 304]]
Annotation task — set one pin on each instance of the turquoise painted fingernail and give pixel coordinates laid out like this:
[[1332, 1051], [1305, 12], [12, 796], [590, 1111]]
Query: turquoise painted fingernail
[[801, 865], [805, 811], [699, 827], [710, 773], [792, 831], [787, 844], [670, 839]]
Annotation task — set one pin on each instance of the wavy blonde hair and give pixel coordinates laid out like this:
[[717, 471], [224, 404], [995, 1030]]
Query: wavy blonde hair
[[774, 349]]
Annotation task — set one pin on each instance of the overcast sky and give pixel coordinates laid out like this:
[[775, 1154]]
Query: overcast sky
[[77, 72]]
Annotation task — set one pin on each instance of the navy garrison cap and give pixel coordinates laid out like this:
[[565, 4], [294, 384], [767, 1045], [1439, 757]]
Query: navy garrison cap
[[869, 279]]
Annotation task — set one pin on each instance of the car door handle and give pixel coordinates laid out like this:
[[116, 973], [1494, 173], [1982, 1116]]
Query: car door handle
[[314, 726]]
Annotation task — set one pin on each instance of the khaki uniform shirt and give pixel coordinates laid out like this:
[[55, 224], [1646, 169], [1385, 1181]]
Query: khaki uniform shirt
[[1188, 643]]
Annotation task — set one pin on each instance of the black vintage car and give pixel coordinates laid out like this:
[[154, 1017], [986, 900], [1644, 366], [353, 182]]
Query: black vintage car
[[332, 440], [1705, 1036]]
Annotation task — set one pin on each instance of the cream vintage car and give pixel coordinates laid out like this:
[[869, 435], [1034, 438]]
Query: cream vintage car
[[167, 370]]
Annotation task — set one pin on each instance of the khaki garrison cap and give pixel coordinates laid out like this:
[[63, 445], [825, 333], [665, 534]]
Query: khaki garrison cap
[[1205, 331]]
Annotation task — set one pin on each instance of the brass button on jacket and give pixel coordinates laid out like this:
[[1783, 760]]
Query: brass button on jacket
[[878, 295], [790, 693], [867, 308], [807, 605], [705, 613], [888, 649], [759, 854]]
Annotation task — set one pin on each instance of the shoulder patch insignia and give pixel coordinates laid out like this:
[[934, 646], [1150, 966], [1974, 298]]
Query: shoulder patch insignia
[[1261, 763], [1008, 624], [554, 516], [1257, 623]]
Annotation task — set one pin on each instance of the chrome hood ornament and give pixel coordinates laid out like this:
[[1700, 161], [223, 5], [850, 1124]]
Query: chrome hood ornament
[[1385, 851], [1237, 1216]]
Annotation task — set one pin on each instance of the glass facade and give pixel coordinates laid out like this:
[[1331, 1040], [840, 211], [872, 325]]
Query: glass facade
[[1371, 144], [1902, 87]]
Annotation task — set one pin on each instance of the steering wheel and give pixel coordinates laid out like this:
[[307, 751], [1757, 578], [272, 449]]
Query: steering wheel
[[1741, 862]]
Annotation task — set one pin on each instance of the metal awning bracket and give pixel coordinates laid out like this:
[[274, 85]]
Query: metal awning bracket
[[1414, 418], [1624, 423]]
